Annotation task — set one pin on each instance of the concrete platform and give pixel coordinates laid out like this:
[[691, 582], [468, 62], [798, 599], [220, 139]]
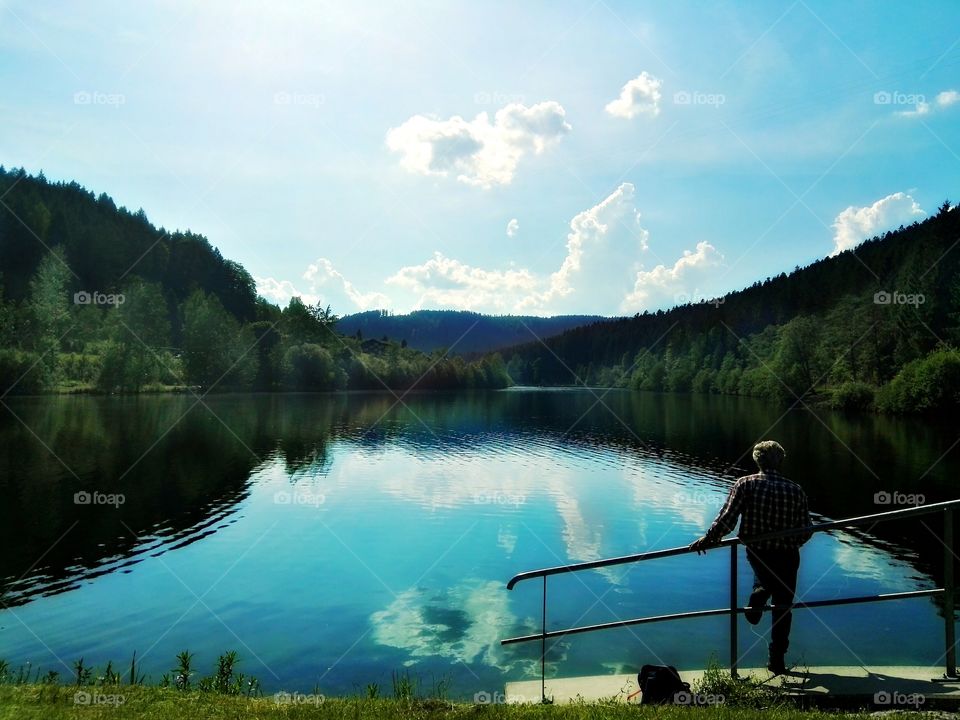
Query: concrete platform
[[886, 687]]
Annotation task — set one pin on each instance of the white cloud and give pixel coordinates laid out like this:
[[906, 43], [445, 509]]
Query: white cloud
[[326, 285], [589, 229], [280, 291], [922, 108], [601, 244], [942, 101], [661, 286], [640, 95], [513, 227], [856, 224], [322, 271], [478, 152], [443, 282], [948, 98]]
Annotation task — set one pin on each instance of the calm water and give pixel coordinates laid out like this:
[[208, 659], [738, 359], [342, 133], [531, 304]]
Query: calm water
[[333, 539]]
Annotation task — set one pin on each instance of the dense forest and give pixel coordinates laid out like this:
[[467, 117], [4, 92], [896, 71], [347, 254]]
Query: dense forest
[[873, 327], [462, 331], [95, 298]]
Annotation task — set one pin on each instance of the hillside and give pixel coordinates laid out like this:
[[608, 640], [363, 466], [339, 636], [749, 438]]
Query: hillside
[[874, 326], [461, 331], [93, 297]]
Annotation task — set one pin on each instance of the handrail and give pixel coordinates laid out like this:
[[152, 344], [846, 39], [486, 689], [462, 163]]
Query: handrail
[[683, 550], [947, 591]]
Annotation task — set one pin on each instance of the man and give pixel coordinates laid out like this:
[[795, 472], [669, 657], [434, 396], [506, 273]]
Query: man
[[765, 503]]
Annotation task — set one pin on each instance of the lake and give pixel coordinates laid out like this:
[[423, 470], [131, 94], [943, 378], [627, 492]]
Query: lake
[[333, 539]]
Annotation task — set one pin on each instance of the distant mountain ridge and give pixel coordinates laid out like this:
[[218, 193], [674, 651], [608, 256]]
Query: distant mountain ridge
[[461, 331]]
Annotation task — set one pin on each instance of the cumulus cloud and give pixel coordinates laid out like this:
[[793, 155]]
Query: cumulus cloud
[[856, 224], [665, 286], [280, 291], [478, 152], [513, 227], [322, 272], [325, 285], [600, 246], [603, 247], [443, 282], [588, 230], [639, 96]]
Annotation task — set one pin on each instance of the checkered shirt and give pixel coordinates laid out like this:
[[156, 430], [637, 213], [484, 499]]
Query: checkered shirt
[[765, 503]]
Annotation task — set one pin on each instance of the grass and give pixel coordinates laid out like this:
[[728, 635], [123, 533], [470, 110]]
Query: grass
[[56, 702], [185, 694]]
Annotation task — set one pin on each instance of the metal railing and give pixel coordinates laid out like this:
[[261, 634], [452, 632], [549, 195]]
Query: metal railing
[[947, 591]]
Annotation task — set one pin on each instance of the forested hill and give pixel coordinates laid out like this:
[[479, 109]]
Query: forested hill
[[877, 325], [95, 298], [105, 246], [461, 331]]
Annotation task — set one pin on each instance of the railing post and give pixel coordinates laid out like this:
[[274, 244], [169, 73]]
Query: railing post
[[733, 610], [543, 645], [948, 600]]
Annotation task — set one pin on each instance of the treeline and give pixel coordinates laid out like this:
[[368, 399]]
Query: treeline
[[94, 297], [461, 331], [875, 327]]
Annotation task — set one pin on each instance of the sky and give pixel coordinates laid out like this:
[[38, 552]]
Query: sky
[[505, 157]]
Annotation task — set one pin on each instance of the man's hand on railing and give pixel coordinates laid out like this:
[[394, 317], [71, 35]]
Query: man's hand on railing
[[702, 545]]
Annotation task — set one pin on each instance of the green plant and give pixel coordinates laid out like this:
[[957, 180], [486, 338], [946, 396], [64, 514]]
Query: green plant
[[440, 689], [82, 672], [110, 676], [134, 678], [223, 680], [743, 692], [404, 687], [373, 691], [51, 678], [183, 670], [852, 395]]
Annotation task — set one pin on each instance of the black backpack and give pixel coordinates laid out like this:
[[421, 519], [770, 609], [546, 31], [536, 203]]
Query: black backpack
[[660, 684]]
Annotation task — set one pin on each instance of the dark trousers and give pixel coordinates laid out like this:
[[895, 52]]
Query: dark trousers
[[775, 576]]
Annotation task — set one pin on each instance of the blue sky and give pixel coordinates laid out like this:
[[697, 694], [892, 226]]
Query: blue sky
[[537, 157]]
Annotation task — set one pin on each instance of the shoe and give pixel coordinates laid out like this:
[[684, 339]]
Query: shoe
[[754, 612], [776, 665]]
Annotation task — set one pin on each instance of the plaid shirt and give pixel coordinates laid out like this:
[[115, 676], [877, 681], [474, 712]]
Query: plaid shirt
[[765, 502]]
